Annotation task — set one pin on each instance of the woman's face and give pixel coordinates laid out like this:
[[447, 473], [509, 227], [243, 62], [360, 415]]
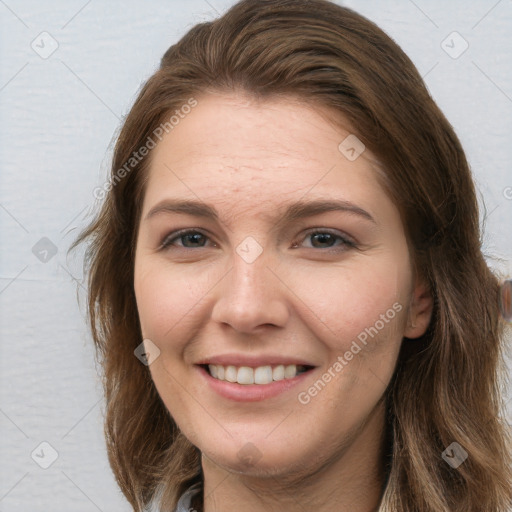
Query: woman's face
[[270, 283]]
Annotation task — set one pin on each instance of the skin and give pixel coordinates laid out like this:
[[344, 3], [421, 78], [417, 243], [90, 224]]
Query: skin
[[300, 297]]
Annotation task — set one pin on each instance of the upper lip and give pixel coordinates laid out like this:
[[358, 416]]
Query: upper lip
[[253, 361]]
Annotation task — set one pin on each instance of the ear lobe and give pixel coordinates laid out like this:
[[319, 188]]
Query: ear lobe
[[420, 311]]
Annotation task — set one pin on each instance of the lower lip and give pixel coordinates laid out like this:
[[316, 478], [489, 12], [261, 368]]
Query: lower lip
[[251, 392]]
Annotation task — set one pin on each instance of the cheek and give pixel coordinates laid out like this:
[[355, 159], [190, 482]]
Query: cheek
[[344, 301], [167, 300], [358, 313], [167, 296]]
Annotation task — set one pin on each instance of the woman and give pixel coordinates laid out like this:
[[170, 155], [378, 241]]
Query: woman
[[286, 286]]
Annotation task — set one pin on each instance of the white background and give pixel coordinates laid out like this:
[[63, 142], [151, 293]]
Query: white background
[[58, 117]]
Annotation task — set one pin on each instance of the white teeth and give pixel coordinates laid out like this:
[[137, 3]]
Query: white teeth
[[263, 375], [230, 374], [290, 371], [245, 375], [248, 375], [278, 372]]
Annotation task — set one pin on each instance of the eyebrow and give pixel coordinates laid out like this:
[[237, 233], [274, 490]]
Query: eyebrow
[[295, 211]]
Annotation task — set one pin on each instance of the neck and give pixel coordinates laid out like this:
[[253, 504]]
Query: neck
[[350, 480]]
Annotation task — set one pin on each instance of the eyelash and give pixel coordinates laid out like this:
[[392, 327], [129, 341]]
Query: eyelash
[[346, 242]]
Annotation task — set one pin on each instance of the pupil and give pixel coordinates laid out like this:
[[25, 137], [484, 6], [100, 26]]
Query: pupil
[[193, 237], [324, 237]]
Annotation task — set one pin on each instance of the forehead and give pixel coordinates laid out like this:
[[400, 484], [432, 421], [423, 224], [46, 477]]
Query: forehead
[[259, 154]]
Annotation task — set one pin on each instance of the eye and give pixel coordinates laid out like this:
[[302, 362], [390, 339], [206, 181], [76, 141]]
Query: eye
[[324, 239], [194, 237], [321, 239]]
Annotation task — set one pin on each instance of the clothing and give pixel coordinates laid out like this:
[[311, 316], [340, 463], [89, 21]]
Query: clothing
[[183, 504], [185, 499]]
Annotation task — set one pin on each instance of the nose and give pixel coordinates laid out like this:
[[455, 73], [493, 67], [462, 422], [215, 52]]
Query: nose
[[251, 295]]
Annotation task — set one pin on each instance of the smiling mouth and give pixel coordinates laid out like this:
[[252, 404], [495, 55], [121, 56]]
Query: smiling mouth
[[262, 375]]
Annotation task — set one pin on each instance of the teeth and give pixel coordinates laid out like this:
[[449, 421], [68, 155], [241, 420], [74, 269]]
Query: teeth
[[245, 375], [230, 374], [290, 371], [263, 375], [278, 372], [259, 375]]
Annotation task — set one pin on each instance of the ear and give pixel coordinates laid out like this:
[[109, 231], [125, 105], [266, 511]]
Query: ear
[[420, 310]]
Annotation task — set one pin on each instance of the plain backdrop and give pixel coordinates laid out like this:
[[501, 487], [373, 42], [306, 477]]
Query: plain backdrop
[[69, 73]]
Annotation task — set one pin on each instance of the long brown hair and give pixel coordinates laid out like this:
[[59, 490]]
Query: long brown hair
[[447, 384]]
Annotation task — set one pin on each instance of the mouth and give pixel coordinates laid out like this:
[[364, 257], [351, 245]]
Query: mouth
[[260, 375], [253, 383]]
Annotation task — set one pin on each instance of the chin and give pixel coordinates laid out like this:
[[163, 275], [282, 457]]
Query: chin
[[263, 467], [258, 458]]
